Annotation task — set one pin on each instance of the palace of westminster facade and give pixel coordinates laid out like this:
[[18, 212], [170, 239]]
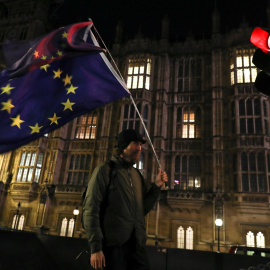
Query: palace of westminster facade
[[207, 122]]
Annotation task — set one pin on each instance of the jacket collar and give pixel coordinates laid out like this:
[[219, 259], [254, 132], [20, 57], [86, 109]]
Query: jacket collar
[[123, 162]]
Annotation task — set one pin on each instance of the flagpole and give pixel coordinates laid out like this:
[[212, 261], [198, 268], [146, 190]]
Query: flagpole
[[132, 100], [146, 132]]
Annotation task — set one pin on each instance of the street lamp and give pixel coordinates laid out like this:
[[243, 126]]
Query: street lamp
[[76, 212], [218, 223]]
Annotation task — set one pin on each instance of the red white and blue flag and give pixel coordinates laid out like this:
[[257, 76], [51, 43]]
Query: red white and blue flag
[[63, 75]]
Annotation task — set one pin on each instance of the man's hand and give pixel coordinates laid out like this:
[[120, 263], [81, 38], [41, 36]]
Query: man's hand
[[161, 179], [97, 260]]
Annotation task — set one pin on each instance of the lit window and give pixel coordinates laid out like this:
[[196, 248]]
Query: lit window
[[30, 165], [3, 163], [188, 123], [232, 77], [18, 222], [70, 227], [243, 67], [67, 227], [189, 238], [63, 227], [180, 237], [86, 126], [185, 238], [21, 222], [139, 70], [260, 240], [250, 239]]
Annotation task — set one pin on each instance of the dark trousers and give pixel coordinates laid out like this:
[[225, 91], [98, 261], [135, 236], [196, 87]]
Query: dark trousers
[[126, 257]]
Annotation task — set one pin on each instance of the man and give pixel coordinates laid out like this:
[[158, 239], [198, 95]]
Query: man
[[116, 202]]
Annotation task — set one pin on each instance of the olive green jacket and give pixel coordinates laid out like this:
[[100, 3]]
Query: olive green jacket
[[114, 208]]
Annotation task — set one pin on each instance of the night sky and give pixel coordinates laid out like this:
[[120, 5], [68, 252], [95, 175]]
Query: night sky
[[185, 16]]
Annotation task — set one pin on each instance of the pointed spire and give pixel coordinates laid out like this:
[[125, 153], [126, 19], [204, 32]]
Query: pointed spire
[[244, 23], [165, 27], [215, 20], [119, 32], [139, 35]]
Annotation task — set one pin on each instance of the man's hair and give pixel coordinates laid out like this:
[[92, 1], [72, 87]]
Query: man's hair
[[125, 137]]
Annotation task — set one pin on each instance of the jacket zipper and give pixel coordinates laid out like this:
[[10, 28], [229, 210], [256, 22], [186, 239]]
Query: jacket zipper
[[133, 193]]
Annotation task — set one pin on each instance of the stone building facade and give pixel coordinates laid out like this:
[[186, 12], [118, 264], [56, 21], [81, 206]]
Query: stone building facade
[[208, 124]]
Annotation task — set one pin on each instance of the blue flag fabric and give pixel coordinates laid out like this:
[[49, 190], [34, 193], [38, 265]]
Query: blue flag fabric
[[47, 95], [68, 41]]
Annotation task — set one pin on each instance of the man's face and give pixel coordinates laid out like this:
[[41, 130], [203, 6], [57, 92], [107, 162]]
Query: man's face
[[132, 152]]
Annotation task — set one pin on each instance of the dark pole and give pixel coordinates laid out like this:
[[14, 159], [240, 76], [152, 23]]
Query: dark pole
[[75, 213], [218, 240], [75, 217], [17, 216]]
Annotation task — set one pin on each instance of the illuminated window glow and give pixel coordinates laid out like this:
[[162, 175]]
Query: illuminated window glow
[[188, 123], [243, 67], [63, 227], [189, 238], [250, 239], [30, 165], [18, 222], [185, 238], [86, 126], [260, 240], [180, 237], [21, 222], [70, 227], [67, 227], [139, 71]]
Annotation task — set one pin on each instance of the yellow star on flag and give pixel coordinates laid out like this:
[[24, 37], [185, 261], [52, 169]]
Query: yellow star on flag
[[59, 53], [71, 89], [68, 105], [44, 57], [17, 121], [67, 80], [54, 119], [57, 73], [36, 54], [65, 35], [45, 67], [6, 89], [35, 129], [7, 106]]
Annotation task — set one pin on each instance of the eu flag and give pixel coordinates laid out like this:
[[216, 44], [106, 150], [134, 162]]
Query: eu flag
[[58, 79]]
